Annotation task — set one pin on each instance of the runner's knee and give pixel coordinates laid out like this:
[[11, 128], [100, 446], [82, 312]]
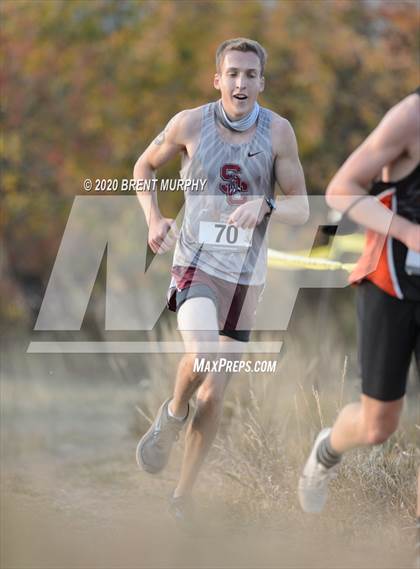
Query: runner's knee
[[191, 366], [210, 398], [379, 419], [380, 429]]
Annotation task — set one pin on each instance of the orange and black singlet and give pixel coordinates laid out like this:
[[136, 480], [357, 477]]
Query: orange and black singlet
[[403, 198]]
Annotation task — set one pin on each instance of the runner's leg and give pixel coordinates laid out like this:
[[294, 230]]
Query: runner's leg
[[370, 422], [197, 322], [203, 428]]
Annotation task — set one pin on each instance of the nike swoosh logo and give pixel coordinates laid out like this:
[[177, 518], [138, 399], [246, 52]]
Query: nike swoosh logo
[[250, 154]]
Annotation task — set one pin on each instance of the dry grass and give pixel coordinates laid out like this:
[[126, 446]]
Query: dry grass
[[267, 430], [72, 495]]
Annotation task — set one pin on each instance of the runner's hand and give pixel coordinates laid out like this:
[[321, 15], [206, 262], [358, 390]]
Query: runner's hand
[[249, 214], [163, 233]]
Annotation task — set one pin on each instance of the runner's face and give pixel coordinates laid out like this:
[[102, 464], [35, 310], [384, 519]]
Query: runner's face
[[239, 82]]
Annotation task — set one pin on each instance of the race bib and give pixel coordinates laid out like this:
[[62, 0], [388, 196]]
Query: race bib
[[224, 235], [412, 263]]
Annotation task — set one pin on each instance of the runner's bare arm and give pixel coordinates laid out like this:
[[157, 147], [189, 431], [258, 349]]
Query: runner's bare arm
[[388, 142], [164, 147], [170, 142], [292, 207]]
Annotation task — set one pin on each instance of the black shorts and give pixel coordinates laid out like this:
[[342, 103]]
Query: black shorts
[[236, 304], [388, 335]]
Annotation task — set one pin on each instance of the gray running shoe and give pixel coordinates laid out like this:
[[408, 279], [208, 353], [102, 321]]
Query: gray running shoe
[[154, 447], [313, 483]]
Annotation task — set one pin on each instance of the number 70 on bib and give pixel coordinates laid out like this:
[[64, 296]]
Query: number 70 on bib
[[224, 235]]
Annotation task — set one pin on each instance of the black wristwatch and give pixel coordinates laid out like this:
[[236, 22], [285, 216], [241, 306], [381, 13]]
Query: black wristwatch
[[271, 202]]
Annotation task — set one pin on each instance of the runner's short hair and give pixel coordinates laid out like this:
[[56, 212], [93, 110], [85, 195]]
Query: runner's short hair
[[241, 44]]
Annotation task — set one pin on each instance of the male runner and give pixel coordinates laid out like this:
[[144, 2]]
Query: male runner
[[219, 265], [388, 291]]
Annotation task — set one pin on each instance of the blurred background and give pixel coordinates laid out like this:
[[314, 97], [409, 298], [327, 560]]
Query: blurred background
[[85, 86]]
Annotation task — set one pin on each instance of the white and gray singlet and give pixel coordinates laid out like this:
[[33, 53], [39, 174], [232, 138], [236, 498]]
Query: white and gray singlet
[[234, 174]]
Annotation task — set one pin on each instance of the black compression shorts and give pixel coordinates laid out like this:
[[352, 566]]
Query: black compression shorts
[[388, 335]]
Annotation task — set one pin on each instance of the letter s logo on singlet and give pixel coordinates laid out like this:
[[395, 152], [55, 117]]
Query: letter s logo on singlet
[[234, 186]]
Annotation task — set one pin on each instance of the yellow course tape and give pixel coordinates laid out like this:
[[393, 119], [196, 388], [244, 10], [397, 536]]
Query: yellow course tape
[[341, 244], [280, 260]]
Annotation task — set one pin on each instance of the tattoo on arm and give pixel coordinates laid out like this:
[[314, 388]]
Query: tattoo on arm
[[160, 139]]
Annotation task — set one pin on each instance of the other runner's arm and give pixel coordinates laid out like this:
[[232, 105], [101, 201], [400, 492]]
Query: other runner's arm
[[165, 147], [348, 190]]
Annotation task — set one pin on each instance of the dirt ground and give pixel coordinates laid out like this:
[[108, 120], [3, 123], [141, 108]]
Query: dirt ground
[[72, 496]]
